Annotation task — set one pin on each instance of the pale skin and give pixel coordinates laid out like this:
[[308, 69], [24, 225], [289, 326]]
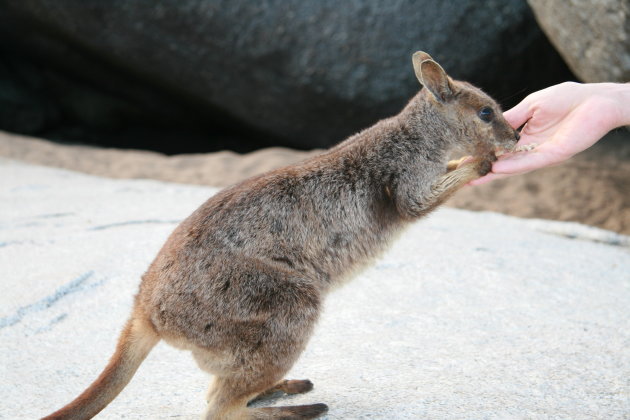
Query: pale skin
[[561, 121]]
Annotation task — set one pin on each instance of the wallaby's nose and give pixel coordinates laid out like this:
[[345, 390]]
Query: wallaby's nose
[[517, 136]]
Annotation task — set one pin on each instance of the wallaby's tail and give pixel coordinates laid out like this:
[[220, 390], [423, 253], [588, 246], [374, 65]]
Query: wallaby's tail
[[134, 344]]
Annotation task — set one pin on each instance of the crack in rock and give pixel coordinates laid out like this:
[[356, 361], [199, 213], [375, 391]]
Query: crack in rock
[[622, 242], [53, 215], [579, 232], [134, 222], [76, 285], [51, 323], [611, 238]]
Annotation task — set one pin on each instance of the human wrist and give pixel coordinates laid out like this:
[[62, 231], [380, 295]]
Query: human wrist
[[622, 95]]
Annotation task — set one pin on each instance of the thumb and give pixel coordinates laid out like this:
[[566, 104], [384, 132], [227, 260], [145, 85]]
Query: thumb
[[518, 115]]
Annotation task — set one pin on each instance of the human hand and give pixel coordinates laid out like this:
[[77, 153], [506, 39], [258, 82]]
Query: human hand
[[561, 121]]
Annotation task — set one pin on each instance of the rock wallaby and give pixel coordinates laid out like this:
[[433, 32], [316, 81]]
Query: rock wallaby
[[240, 282]]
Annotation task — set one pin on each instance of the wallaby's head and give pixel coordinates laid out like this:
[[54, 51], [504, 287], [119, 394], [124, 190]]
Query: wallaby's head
[[472, 117]]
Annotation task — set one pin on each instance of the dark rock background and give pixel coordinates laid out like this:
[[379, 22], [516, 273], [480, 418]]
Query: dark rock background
[[203, 75]]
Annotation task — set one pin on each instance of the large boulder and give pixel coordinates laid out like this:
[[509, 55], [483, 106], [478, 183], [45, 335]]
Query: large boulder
[[593, 36], [303, 74]]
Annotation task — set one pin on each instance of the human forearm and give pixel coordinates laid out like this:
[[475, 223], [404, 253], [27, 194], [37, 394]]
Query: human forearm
[[623, 100]]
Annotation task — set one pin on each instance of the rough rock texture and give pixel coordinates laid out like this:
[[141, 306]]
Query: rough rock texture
[[191, 75], [470, 315], [593, 36]]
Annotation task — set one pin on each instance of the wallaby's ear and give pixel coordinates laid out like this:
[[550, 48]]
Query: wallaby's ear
[[419, 57], [432, 76]]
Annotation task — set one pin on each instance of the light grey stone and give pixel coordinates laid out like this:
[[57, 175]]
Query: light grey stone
[[593, 36], [468, 316]]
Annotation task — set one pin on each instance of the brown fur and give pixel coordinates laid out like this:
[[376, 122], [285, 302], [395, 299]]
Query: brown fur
[[134, 344], [240, 282]]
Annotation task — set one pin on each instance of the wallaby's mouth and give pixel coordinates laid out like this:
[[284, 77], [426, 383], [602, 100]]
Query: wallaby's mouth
[[504, 148], [509, 145]]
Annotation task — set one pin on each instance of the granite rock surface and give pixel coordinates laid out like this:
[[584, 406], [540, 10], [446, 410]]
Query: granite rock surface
[[593, 36], [468, 316]]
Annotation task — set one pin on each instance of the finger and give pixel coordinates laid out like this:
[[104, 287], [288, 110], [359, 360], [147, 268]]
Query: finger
[[519, 163], [519, 115]]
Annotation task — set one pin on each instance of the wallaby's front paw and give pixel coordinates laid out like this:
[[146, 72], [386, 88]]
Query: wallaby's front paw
[[484, 167]]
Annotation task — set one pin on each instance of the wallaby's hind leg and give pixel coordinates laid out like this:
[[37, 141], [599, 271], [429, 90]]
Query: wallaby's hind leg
[[286, 386], [259, 343], [228, 401], [227, 398]]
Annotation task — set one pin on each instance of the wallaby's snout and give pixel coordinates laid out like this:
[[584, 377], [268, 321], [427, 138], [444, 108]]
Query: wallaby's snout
[[508, 140], [502, 137], [514, 134], [505, 139]]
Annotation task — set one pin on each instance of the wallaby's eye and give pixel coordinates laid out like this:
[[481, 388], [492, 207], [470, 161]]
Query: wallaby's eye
[[486, 114]]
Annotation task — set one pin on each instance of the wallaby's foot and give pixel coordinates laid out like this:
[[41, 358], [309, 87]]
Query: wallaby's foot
[[297, 412], [293, 386], [287, 386]]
